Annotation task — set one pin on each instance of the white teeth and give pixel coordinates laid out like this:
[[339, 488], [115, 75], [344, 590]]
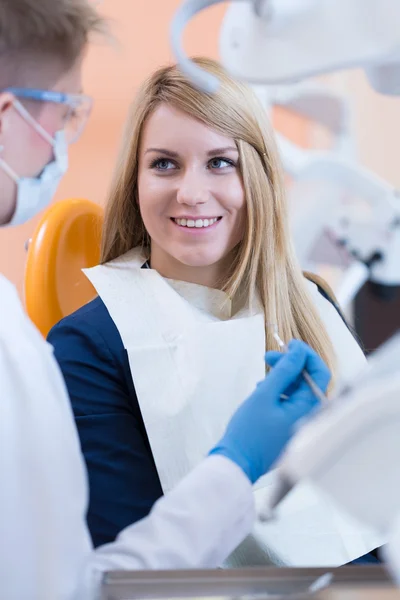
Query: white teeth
[[198, 223]]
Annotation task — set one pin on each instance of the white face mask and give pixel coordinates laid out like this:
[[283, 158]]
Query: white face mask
[[36, 193]]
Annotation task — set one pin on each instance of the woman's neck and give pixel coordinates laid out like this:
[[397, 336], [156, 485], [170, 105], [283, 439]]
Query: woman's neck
[[212, 276]]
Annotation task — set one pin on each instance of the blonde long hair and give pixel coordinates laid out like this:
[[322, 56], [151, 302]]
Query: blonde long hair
[[265, 261]]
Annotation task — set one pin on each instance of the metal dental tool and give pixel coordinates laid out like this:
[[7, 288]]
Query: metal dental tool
[[318, 393]]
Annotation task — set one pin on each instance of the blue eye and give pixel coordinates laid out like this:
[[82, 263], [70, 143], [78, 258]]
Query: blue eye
[[162, 164], [221, 163]]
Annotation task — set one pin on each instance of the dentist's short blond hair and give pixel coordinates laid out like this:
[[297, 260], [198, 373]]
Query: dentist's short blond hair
[[37, 33], [264, 262]]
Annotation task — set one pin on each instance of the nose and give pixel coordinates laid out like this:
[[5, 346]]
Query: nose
[[192, 190]]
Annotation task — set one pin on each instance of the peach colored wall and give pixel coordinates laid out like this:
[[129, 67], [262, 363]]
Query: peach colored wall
[[111, 75], [293, 126], [376, 127]]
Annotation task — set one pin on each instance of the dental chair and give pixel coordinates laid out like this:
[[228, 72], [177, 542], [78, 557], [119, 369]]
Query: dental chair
[[66, 240]]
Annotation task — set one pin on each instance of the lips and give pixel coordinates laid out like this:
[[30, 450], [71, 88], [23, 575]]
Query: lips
[[196, 223]]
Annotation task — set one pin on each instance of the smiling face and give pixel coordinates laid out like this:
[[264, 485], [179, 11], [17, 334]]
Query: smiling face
[[191, 196]]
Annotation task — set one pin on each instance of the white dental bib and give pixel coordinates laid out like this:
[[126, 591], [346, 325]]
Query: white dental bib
[[193, 361]]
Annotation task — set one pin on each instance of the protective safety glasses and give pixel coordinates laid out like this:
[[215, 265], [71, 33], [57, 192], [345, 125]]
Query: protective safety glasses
[[78, 108]]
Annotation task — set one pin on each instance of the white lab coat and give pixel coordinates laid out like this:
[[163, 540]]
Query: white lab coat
[[45, 548]]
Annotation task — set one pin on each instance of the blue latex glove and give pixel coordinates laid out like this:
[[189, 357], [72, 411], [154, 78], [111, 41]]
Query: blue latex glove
[[264, 423]]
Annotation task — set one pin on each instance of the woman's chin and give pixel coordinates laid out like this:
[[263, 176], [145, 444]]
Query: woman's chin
[[196, 261]]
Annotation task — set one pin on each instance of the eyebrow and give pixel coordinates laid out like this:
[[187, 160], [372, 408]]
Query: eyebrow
[[173, 154], [222, 150], [163, 151]]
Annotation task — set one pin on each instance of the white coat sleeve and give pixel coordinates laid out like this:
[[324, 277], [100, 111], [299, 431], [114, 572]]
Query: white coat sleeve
[[43, 488], [46, 551], [196, 525]]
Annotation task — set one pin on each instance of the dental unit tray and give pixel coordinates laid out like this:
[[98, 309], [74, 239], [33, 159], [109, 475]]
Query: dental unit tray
[[270, 583]]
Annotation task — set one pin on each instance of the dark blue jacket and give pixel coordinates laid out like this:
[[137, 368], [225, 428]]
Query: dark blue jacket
[[123, 479]]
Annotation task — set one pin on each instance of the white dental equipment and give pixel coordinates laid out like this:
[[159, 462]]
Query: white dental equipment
[[359, 210], [331, 194], [350, 449], [273, 42]]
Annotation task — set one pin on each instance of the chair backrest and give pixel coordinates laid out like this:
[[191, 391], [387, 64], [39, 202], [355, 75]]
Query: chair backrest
[[66, 240]]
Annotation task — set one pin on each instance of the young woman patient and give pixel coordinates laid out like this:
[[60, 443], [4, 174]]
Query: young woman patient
[[197, 266]]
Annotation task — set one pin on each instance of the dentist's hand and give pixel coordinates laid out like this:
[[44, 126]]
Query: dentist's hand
[[264, 423]]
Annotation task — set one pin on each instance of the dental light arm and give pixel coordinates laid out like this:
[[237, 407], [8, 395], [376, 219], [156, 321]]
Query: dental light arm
[[204, 81], [275, 42]]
